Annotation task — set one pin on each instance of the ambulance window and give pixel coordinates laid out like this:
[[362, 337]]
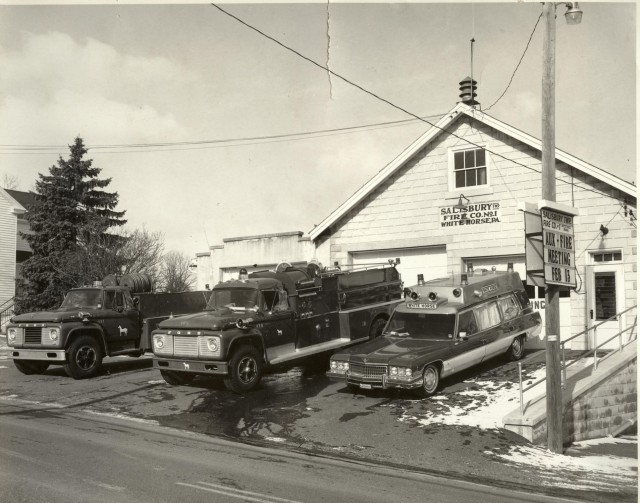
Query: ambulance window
[[487, 315], [509, 307], [467, 323], [523, 298], [270, 299]]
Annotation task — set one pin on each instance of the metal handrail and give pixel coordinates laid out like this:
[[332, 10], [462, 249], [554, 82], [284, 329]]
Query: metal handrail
[[10, 301], [597, 346]]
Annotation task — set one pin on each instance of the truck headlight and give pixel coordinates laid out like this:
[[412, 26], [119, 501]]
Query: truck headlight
[[212, 344], [393, 371], [405, 372], [162, 343], [54, 333], [12, 333]]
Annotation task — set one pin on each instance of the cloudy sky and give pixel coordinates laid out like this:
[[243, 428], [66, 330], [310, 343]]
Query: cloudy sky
[[210, 130]]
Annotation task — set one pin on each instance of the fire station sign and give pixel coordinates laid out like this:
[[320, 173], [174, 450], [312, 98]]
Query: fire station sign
[[558, 245], [470, 214]]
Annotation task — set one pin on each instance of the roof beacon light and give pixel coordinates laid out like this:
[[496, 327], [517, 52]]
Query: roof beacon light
[[463, 279], [456, 292], [510, 267], [470, 268], [415, 295], [420, 279], [477, 293], [493, 269], [242, 275], [433, 296]]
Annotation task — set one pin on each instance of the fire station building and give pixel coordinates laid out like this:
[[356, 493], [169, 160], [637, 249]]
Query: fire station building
[[452, 200]]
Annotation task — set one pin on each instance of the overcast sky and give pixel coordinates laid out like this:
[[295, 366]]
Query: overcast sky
[[192, 77]]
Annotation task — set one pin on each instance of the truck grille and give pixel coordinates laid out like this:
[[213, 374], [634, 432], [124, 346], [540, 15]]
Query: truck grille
[[367, 370], [185, 346], [33, 335]]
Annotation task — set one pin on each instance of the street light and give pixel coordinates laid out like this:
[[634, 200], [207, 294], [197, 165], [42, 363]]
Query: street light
[[573, 14], [552, 292]]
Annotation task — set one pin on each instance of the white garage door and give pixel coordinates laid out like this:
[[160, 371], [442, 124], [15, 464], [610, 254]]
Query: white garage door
[[428, 261]]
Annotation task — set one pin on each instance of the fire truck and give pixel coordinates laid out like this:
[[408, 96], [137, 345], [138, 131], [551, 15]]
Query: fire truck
[[444, 326], [113, 317], [275, 317]]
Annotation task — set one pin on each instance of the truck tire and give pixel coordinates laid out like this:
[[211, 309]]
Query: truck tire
[[84, 357], [430, 381], [177, 378], [29, 367], [516, 350], [245, 370], [376, 328]]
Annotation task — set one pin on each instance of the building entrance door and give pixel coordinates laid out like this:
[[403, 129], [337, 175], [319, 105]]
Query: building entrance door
[[605, 299]]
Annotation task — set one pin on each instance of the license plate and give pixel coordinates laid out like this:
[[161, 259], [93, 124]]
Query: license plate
[[365, 386]]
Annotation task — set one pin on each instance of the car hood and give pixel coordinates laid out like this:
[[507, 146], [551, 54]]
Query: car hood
[[49, 316], [394, 350], [205, 320]]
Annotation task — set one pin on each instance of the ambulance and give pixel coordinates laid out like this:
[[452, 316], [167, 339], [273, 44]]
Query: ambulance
[[443, 326]]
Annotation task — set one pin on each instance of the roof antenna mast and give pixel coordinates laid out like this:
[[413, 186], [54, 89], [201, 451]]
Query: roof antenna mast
[[473, 40]]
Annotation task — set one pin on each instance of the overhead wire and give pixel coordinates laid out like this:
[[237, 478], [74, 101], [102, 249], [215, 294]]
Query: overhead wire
[[517, 66], [195, 145], [376, 96]]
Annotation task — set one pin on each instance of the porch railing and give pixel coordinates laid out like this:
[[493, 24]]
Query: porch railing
[[6, 312], [564, 365]]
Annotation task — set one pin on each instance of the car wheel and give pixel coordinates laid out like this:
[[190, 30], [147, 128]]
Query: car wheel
[[430, 381], [245, 370], [29, 367], [84, 358], [177, 378], [376, 328], [516, 350]]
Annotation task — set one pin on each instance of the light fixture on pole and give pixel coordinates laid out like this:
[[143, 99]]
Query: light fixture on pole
[[573, 14]]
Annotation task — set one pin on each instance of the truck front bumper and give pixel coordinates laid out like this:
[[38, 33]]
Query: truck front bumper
[[50, 355], [191, 366], [381, 382]]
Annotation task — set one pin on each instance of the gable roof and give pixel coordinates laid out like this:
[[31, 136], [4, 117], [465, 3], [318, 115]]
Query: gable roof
[[16, 207], [26, 199], [437, 129]]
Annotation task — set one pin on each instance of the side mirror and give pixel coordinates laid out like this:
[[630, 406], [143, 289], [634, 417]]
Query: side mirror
[[463, 336], [136, 301]]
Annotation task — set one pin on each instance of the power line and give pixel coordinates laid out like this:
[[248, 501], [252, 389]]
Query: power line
[[193, 145], [517, 66], [393, 104]]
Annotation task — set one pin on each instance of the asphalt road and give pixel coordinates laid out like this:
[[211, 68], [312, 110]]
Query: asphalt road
[[55, 455], [294, 411]]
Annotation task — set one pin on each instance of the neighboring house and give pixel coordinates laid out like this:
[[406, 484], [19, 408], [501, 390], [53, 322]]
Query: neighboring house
[[223, 262], [13, 248], [411, 210]]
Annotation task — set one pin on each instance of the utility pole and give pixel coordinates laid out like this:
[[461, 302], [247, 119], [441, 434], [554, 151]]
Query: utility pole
[[552, 298]]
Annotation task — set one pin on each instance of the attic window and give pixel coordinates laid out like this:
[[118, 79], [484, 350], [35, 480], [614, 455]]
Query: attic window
[[469, 168]]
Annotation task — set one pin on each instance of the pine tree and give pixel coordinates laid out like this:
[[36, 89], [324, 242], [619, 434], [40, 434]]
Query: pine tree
[[69, 223]]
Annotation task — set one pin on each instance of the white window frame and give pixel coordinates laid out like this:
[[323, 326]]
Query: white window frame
[[451, 167]]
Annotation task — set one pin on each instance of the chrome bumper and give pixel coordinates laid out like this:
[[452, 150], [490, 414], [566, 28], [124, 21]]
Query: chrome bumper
[[381, 382], [51, 355]]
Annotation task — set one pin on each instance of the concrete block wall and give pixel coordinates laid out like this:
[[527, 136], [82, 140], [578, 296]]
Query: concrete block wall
[[604, 407], [594, 404]]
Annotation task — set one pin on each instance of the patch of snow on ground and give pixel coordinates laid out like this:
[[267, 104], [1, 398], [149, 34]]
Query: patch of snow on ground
[[586, 472], [584, 444], [483, 407]]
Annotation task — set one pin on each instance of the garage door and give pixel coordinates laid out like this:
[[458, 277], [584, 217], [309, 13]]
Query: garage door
[[428, 261]]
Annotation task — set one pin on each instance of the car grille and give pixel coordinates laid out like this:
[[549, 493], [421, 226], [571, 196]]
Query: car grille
[[33, 335], [185, 346], [368, 370]]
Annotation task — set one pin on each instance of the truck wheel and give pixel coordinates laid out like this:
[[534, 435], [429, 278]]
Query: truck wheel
[[28, 367], [430, 381], [516, 350], [84, 358], [245, 370], [376, 328], [177, 378]]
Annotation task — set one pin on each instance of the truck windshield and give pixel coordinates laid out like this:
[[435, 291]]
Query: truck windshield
[[82, 298], [237, 299], [421, 326]]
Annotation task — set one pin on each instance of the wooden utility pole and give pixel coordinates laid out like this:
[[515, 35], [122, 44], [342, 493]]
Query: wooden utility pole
[[552, 298]]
